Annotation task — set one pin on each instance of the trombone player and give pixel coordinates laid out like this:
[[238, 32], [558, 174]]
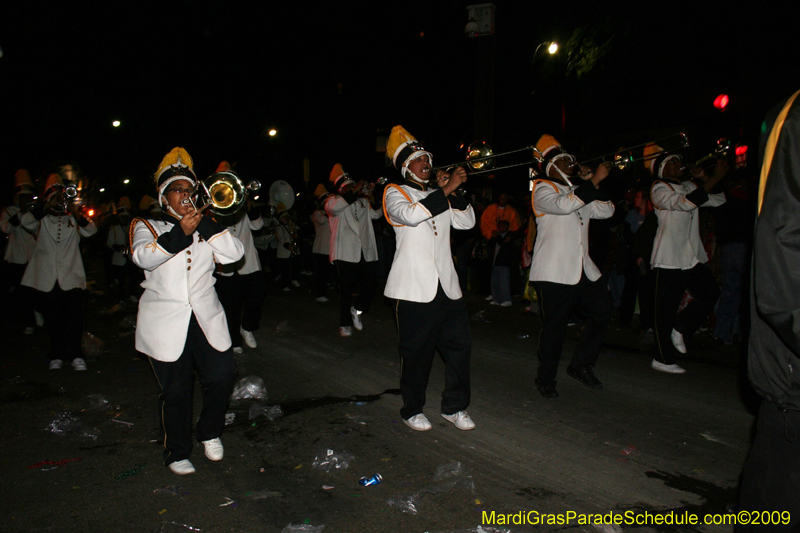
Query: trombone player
[[565, 277], [181, 325], [431, 312]]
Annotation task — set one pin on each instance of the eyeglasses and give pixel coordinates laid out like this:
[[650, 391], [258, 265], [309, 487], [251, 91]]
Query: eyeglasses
[[180, 190]]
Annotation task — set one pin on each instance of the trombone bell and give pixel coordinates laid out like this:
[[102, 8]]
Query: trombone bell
[[226, 193], [481, 151]]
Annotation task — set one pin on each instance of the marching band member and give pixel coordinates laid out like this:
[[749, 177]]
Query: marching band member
[[181, 324], [678, 257], [431, 312], [565, 277], [56, 271], [287, 250], [353, 247], [123, 273], [20, 246], [321, 249], [241, 286]]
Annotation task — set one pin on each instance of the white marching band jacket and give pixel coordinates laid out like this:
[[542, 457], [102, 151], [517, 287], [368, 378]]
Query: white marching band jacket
[[243, 230], [57, 256], [677, 244], [21, 241], [179, 280], [422, 221], [561, 252], [351, 229]]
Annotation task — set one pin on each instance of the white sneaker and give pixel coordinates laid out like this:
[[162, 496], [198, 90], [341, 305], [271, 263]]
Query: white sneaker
[[356, 314], [78, 364], [237, 349], [669, 369], [345, 331], [494, 302], [214, 449], [286, 289], [677, 341], [322, 299], [461, 420], [249, 338], [30, 330], [418, 422], [295, 283], [182, 467], [489, 298], [39, 318], [507, 304], [55, 364]]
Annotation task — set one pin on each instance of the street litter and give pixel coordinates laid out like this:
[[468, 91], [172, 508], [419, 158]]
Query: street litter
[[92, 344], [448, 477], [229, 418], [128, 322], [122, 422], [370, 480], [480, 316], [54, 464], [302, 528], [190, 528], [249, 388], [327, 487], [98, 402], [329, 460], [116, 308], [271, 412], [132, 472], [523, 336], [227, 502], [627, 450], [66, 423]]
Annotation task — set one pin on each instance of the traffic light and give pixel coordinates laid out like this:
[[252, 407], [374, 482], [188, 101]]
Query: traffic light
[[741, 156], [721, 102]]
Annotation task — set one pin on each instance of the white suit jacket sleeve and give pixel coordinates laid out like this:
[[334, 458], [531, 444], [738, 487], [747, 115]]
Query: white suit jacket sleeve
[[547, 199], [401, 210]]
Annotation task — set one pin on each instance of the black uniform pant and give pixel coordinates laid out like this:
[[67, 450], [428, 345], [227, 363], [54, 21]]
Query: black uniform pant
[[242, 297], [176, 379], [423, 328], [670, 286], [771, 474], [63, 321], [361, 277], [322, 274], [589, 299]]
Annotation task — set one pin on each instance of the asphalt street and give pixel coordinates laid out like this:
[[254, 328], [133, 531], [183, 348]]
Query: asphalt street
[[648, 444]]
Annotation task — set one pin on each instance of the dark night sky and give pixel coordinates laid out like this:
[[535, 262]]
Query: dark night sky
[[212, 76]]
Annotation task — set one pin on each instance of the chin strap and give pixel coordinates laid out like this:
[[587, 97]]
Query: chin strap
[[563, 176]]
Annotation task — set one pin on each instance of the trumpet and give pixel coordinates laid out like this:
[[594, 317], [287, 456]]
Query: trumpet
[[368, 187], [66, 195], [224, 191]]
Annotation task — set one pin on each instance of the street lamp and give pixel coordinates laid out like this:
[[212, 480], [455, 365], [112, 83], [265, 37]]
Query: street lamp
[[273, 132], [552, 48]]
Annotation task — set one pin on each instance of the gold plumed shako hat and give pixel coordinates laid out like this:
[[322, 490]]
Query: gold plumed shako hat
[[549, 150], [339, 178], [22, 181], [320, 191], [176, 165], [124, 205], [224, 167], [656, 157], [402, 148], [52, 185]]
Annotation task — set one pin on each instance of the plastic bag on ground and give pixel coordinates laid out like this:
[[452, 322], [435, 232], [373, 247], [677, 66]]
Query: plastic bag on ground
[[91, 344], [249, 388], [67, 424], [449, 470], [329, 460], [302, 528], [270, 411], [98, 402], [406, 503], [129, 322]]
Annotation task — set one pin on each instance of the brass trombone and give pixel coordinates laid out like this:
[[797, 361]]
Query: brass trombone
[[624, 159], [481, 159]]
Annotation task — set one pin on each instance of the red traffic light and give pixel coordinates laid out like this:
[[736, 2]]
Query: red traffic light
[[721, 101]]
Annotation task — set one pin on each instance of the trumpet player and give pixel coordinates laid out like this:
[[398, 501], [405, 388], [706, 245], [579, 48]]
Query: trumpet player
[[565, 277], [431, 313], [56, 271], [181, 325], [678, 257], [353, 248], [241, 286], [20, 246]]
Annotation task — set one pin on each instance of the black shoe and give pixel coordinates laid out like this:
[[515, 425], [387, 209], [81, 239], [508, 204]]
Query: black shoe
[[548, 390], [586, 376]]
